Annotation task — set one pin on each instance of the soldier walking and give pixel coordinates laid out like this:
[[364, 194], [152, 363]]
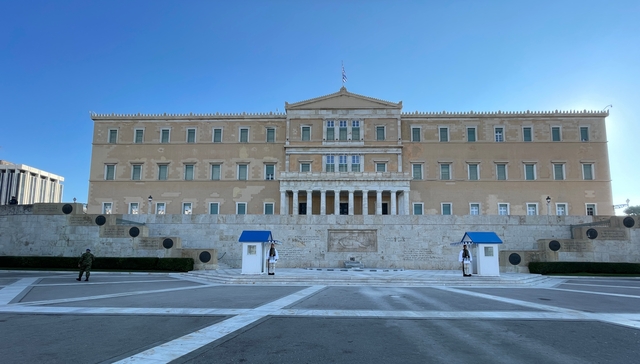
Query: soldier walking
[[84, 264]]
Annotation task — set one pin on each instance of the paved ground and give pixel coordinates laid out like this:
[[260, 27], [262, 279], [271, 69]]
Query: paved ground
[[49, 317]]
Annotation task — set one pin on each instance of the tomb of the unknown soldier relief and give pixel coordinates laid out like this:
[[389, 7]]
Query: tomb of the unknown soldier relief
[[342, 180]]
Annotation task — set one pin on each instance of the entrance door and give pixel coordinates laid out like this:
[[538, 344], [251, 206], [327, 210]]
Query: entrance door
[[302, 208], [344, 208], [385, 208]]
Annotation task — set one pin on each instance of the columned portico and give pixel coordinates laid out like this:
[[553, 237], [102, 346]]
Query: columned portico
[[389, 188]]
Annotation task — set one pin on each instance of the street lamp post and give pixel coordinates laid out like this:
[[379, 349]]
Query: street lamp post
[[548, 203], [150, 199]]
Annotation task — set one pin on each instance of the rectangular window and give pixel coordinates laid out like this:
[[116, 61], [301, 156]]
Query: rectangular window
[[133, 208], [380, 133], [110, 172], [113, 136], [268, 208], [191, 135], [555, 134], [342, 163], [241, 208], [355, 130], [188, 172], [471, 134], [242, 172], [529, 172], [139, 136], [499, 132], [269, 172], [330, 165], [214, 208], [591, 209], [501, 172], [244, 135], [215, 172], [355, 163], [446, 208], [445, 171], [527, 136], [162, 172], [561, 209], [381, 167], [444, 134], [532, 209], [305, 167], [331, 130], [584, 133], [165, 135], [306, 133], [416, 170], [342, 132], [415, 134], [107, 208], [474, 209], [271, 135], [503, 209], [558, 171], [473, 172], [587, 171], [186, 208], [417, 208], [217, 135], [161, 208], [136, 172]]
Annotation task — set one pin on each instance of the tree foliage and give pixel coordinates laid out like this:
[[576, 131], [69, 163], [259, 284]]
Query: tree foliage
[[632, 210]]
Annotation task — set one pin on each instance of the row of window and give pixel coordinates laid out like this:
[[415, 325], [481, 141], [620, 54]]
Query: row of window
[[190, 137], [189, 172], [352, 163], [345, 133], [446, 208], [499, 134], [501, 171]]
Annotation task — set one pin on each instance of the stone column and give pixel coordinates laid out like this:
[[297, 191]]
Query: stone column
[[365, 202], [350, 202], [283, 201], [323, 202], [295, 201], [309, 202], [378, 202], [393, 203], [336, 202], [406, 202]]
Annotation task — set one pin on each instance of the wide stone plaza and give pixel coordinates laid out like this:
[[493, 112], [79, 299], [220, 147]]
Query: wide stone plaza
[[317, 316]]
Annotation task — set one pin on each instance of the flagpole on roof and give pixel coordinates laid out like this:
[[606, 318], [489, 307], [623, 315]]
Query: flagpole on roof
[[344, 75]]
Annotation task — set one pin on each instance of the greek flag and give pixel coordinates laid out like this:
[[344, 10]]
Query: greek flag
[[344, 74]]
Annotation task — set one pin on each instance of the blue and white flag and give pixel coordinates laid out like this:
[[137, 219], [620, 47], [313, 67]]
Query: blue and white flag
[[344, 74]]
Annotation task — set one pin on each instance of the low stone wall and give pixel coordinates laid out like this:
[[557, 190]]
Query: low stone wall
[[401, 241]]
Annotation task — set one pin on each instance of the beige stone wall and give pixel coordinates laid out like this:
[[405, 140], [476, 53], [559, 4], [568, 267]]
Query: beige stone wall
[[398, 151]]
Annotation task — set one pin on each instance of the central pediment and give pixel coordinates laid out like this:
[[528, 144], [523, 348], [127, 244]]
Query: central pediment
[[342, 99]]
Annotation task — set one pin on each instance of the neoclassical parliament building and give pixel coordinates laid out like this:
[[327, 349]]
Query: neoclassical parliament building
[[349, 154]]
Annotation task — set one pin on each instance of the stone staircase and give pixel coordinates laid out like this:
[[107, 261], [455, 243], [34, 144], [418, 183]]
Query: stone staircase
[[343, 277]]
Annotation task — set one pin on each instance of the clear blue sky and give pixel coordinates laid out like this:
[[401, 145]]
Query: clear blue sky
[[61, 59]]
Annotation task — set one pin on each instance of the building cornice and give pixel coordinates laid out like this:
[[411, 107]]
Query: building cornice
[[189, 116], [506, 114]]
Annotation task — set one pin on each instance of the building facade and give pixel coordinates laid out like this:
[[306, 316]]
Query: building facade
[[350, 154], [28, 185]]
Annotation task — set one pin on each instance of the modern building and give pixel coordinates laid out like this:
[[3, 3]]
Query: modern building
[[349, 154], [28, 185]]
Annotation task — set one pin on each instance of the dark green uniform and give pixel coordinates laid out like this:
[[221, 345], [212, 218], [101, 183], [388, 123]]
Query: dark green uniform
[[84, 264]]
